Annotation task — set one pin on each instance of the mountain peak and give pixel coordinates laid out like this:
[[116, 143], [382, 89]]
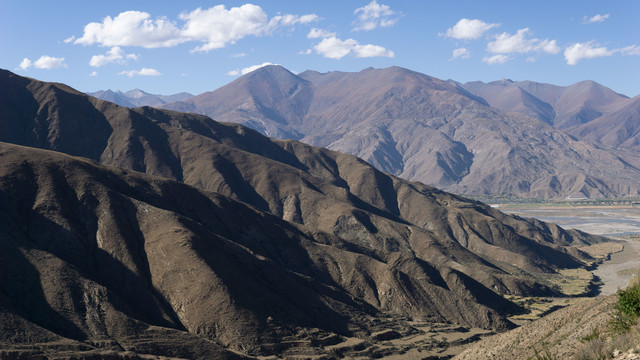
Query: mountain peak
[[136, 93]]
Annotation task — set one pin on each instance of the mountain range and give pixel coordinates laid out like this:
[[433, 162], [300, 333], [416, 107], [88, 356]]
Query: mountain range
[[136, 97], [153, 232], [522, 139]]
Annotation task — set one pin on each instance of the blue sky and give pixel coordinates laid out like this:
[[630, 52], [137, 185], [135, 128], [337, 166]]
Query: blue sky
[[197, 46]]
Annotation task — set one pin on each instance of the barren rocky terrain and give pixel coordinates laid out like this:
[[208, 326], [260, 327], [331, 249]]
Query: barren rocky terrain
[[151, 232]]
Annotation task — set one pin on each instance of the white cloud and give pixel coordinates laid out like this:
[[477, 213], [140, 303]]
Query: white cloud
[[141, 72], [69, 39], [335, 48], [591, 49], [249, 69], [238, 55], [496, 59], [48, 62], [588, 50], [467, 29], [115, 55], [44, 62], [365, 51], [94, 73], [373, 15], [462, 53], [291, 20], [25, 64], [631, 50], [215, 27], [305, 52], [595, 19], [519, 43], [132, 28], [316, 33]]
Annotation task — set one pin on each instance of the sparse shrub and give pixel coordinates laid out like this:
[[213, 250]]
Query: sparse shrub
[[595, 349], [546, 355], [595, 334], [627, 308]]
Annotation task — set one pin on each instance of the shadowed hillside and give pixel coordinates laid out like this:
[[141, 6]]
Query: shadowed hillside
[[228, 219]]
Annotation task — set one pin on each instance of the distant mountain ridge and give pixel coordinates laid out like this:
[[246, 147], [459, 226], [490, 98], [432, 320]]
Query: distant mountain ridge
[[136, 97], [560, 106], [441, 133]]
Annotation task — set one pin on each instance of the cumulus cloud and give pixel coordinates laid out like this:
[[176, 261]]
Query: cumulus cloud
[[334, 48], [595, 19], [249, 69], [495, 59], [218, 26], [115, 55], [94, 73], [469, 29], [132, 28], [316, 33], [588, 50], [374, 15], [141, 72], [462, 53], [25, 64], [521, 43], [44, 62], [215, 27]]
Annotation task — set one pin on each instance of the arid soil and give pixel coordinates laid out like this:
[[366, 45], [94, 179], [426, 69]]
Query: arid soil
[[560, 333]]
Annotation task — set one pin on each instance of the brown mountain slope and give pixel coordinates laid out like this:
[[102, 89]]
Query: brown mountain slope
[[104, 255], [112, 257], [619, 128], [583, 102], [424, 129], [561, 106], [268, 101], [561, 335], [507, 96]]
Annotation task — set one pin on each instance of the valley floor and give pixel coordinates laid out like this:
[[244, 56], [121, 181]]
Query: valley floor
[[618, 222]]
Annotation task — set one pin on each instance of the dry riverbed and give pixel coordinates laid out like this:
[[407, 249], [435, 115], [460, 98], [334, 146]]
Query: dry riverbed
[[617, 222]]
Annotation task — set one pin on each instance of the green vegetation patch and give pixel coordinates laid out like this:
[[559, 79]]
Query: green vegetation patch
[[572, 282], [627, 309]]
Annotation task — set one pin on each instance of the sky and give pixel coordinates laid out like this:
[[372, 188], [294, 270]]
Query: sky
[[166, 47]]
